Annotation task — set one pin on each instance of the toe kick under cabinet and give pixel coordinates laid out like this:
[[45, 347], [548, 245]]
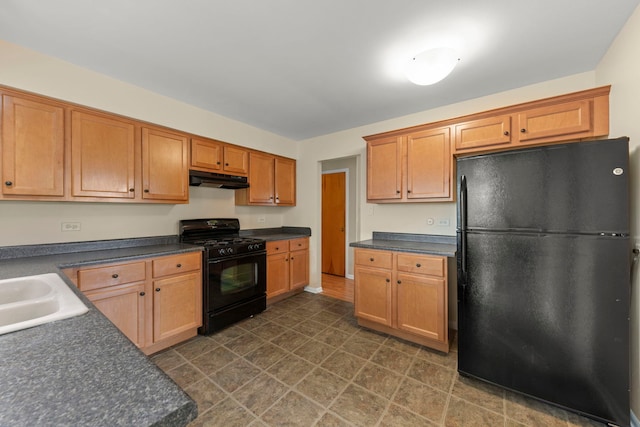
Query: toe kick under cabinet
[[156, 302], [403, 294]]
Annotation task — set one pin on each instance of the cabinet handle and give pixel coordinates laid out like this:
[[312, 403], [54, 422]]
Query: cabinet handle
[[142, 294], [8, 183], [132, 190], [179, 265], [157, 289], [418, 265], [146, 190], [371, 259], [217, 163], [114, 275], [506, 133], [523, 130]]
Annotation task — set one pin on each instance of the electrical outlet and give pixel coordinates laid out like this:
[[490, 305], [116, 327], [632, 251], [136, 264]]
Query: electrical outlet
[[261, 218], [443, 222], [70, 226], [430, 221]]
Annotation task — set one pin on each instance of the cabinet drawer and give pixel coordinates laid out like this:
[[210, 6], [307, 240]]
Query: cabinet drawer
[[174, 264], [101, 277], [373, 258], [277, 247], [299, 244], [422, 264]]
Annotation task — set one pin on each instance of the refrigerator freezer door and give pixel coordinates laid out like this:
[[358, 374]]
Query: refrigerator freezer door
[[579, 187], [547, 315]]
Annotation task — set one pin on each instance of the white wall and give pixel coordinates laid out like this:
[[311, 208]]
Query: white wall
[[621, 68], [39, 222]]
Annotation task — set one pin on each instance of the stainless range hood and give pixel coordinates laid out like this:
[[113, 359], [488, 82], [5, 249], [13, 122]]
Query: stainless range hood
[[217, 180]]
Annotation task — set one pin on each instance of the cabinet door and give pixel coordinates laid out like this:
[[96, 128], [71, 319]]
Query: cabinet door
[[299, 268], [422, 306], [32, 148], [125, 307], [384, 169], [489, 132], [102, 156], [373, 296], [165, 170], [206, 155], [177, 305], [285, 181], [236, 160], [429, 165], [277, 274], [566, 119], [261, 179]]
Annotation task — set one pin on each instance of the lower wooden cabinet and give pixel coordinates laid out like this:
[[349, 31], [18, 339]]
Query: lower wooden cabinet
[[287, 266], [156, 302], [403, 294]]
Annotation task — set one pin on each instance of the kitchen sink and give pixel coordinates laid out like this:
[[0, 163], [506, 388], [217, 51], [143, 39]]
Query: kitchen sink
[[35, 300]]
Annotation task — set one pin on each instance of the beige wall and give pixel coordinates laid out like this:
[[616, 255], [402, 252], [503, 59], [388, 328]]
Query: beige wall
[[621, 68], [30, 222]]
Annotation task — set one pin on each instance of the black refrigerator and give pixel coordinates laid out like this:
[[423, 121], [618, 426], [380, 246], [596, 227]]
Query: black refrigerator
[[544, 274]]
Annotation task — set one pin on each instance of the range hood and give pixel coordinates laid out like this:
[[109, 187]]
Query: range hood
[[217, 180]]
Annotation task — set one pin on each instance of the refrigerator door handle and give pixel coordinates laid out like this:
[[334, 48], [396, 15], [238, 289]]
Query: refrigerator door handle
[[463, 223]]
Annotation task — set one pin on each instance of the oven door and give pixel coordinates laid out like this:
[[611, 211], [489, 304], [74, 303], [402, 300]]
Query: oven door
[[236, 279]]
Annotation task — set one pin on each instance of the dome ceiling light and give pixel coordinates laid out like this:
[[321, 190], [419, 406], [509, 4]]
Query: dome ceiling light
[[431, 66]]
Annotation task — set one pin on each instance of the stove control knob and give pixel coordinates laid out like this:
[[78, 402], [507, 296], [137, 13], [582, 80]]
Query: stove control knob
[[251, 247], [230, 250], [221, 251]]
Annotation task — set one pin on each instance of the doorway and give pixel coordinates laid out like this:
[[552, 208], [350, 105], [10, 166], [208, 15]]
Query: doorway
[[334, 213]]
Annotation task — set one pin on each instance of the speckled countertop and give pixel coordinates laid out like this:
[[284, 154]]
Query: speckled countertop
[[82, 370], [405, 242]]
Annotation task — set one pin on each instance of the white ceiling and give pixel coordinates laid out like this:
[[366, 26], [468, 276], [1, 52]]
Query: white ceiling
[[302, 68]]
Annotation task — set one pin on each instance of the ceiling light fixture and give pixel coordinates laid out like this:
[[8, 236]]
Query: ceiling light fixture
[[431, 66]]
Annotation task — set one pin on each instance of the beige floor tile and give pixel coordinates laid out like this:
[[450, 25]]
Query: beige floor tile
[[436, 376], [421, 399], [392, 359], [265, 355], [359, 406], [291, 369], [331, 420], [226, 413], [531, 412], [378, 380], [185, 375], [206, 394], [292, 410], [314, 351], [401, 417], [479, 393], [461, 413], [168, 359], [321, 386], [213, 360], [343, 364], [360, 346], [235, 375], [260, 393], [196, 346]]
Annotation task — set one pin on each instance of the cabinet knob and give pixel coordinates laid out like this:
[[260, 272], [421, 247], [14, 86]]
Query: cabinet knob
[[114, 275], [399, 282], [418, 265], [397, 191], [523, 130], [371, 259], [146, 190], [292, 258], [277, 248], [8, 183], [132, 190], [142, 294], [388, 280], [179, 265], [157, 289], [408, 191], [226, 164], [286, 259], [506, 133], [217, 163]]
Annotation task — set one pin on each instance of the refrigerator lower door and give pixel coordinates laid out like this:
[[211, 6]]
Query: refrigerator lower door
[[548, 316]]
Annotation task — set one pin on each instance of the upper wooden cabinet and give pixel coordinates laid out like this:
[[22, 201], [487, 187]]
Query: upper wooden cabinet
[[272, 181], [415, 167], [102, 156], [489, 132], [32, 147], [165, 167], [214, 156]]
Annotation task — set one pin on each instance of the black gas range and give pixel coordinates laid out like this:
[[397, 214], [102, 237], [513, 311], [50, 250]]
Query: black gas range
[[234, 270]]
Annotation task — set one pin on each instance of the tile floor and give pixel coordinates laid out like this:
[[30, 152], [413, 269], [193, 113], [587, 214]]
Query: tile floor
[[305, 362]]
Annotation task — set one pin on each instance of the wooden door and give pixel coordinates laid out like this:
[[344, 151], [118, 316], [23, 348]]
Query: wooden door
[[489, 132], [384, 169], [206, 155], [32, 148], [285, 181], [165, 167], [125, 307], [373, 295], [236, 160], [277, 273], [429, 165], [333, 223], [102, 156], [261, 179], [177, 305], [422, 306]]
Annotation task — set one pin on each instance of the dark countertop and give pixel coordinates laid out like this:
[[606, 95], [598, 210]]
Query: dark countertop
[[429, 244], [82, 370], [279, 233]]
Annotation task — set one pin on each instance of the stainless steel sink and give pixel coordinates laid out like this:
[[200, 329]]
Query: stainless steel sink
[[34, 300]]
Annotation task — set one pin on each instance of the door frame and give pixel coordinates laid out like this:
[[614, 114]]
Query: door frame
[[346, 217]]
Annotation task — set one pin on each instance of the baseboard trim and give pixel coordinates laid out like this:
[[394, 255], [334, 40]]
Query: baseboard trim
[[313, 290], [634, 420], [349, 276]]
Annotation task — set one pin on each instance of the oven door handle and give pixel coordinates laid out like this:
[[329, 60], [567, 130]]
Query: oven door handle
[[237, 256]]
